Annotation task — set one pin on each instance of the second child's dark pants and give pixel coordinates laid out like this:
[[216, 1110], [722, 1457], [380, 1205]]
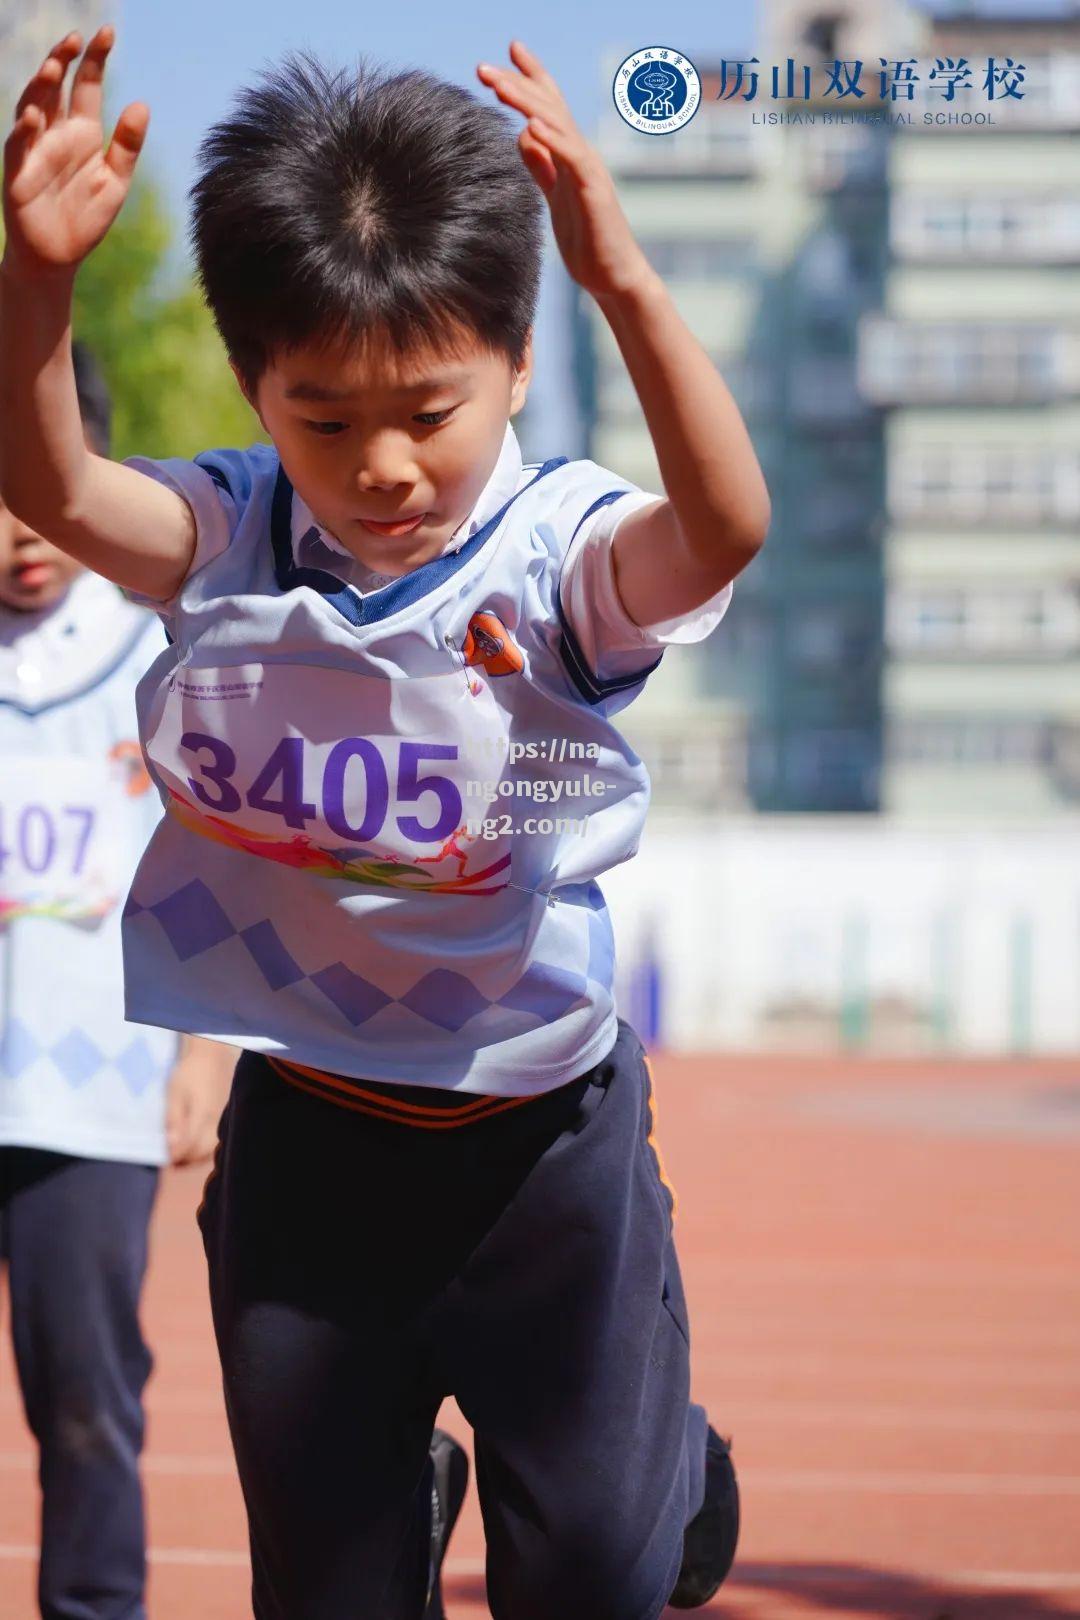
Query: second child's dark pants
[[362, 1269], [73, 1233]]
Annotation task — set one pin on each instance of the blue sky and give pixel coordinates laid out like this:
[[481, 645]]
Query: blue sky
[[187, 60], [186, 57]]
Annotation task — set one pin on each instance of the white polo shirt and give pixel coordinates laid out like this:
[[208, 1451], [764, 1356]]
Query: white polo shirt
[[75, 815], [610, 640], [389, 807]]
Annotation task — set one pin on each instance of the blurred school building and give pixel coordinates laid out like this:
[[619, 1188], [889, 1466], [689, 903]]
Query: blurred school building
[[897, 312]]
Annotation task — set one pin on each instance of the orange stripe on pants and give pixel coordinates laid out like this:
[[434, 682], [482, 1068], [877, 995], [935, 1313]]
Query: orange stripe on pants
[[654, 1144]]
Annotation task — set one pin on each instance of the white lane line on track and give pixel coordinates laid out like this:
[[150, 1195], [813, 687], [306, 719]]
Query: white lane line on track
[[921, 1367], [973, 1419], [958, 1275], [196, 1464], [900, 1482], [748, 1574]]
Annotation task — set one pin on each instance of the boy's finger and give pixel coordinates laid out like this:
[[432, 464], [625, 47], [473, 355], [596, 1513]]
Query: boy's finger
[[538, 161], [50, 97], [567, 148], [86, 85], [27, 126], [46, 83], [31, 163], [127, 141], [521, 93], [530, 63]]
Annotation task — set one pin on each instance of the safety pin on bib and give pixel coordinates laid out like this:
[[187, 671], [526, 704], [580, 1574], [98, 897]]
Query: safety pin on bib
[[473, 686]]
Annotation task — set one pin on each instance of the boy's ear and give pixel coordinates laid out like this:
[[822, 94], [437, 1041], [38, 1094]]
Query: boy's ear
[[522, 376]]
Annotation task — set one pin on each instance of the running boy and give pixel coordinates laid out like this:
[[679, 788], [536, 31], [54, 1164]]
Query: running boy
[[90, 1106], [436, 1172]]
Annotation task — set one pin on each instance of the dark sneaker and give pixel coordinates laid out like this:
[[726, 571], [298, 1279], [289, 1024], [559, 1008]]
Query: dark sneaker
[[451, 1464], [709, 1539]]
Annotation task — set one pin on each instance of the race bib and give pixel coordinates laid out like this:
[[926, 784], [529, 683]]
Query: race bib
[[61, 838], [353, 778]]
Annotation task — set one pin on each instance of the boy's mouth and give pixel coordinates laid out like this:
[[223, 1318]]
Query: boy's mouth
[[404, 526], [32, 575]]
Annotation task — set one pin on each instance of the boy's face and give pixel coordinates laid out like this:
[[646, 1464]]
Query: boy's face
[[391, 486], [34, 574]]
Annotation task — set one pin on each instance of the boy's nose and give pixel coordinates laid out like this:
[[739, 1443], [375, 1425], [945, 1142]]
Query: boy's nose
[[387, 466], [367, 481]]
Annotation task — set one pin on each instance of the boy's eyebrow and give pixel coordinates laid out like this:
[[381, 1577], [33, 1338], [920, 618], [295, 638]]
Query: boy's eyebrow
[[318, 392]]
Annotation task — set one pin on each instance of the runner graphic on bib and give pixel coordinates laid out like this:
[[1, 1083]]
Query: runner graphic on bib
[[351, 777]]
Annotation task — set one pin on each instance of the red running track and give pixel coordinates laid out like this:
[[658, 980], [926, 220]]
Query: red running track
[[883, 1266]]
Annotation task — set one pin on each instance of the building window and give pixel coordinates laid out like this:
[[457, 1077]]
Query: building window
[[962, 225], [717, 140], [1036, 621], [1051, 91], [699, 258], [912, 361], [752, 385], [840, 155], [696, 766], [968, 740], [984, 484]]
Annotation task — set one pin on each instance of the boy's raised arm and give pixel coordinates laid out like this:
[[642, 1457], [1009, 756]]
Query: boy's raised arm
[[675, 555], [62, 192]]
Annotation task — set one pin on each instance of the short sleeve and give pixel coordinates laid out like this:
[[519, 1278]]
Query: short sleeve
[[215, 501], [609, 640]]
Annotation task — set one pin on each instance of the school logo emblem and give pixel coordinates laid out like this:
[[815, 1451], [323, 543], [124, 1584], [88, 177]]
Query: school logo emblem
[[489, 643], [657, 90]]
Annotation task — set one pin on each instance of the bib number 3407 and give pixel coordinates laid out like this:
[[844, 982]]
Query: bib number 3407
[[278, 786]]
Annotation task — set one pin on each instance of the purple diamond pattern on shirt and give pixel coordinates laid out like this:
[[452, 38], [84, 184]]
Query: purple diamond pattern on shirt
[[138, 1066], [270, 956], [192, 919], [545, 990], [445, 998], [194, 922], [131, 907], [77, 1058], [351, 994], [18, 1049]]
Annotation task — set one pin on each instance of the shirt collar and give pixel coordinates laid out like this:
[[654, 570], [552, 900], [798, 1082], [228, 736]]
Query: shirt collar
[[60, 649], [315, 547]]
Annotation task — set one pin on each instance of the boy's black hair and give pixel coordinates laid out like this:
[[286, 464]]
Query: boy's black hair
[[95, 405], [331, 206]]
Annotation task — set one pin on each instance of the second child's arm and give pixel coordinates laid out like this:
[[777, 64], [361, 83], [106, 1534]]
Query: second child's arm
[[61, 194]]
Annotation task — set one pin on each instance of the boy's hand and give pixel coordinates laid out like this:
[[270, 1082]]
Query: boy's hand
[[62, 191], [197, 1092], [592, 231]]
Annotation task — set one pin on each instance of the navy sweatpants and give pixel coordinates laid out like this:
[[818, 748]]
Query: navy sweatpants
[[362, 1269], [73, 1232]]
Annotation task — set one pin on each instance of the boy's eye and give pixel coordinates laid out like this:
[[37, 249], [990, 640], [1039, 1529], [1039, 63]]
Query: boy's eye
[[433, 418], [326, 429]]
